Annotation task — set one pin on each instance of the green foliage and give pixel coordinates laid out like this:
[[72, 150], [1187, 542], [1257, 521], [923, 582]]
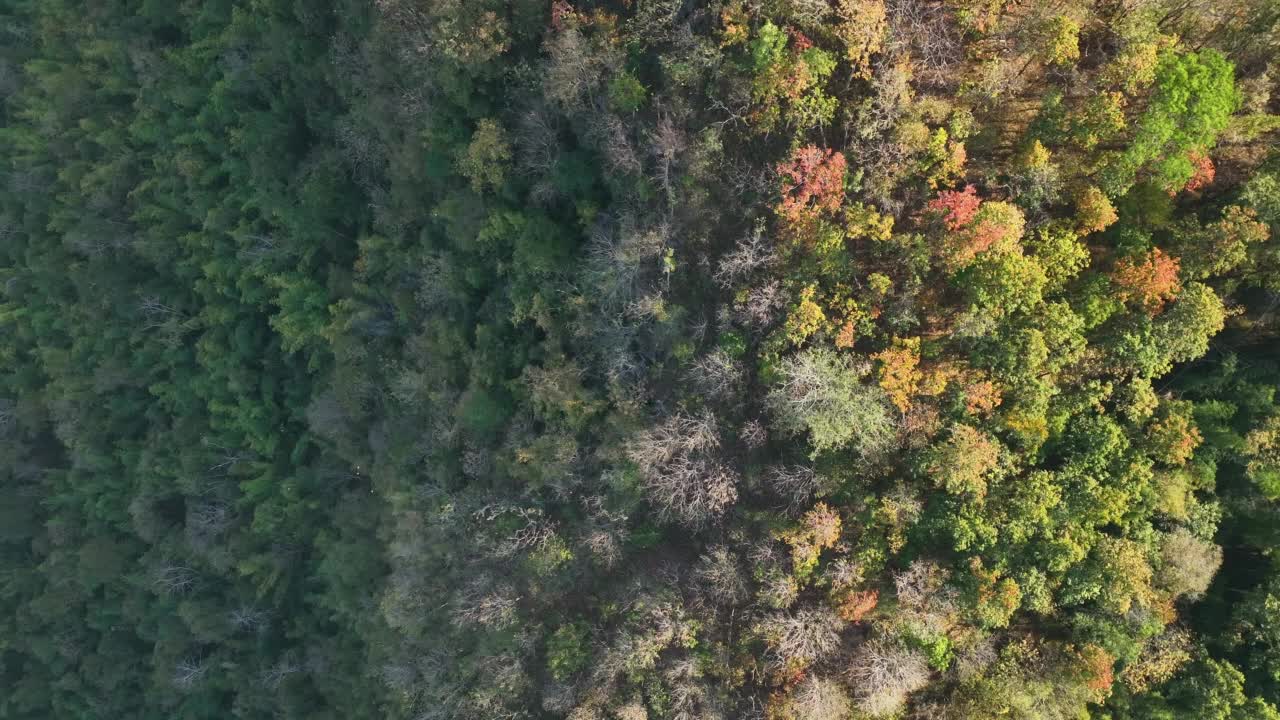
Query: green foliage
[[821, 393], [638, 359], [485, 159], [567, 651], [626, 94], [1193, 98]]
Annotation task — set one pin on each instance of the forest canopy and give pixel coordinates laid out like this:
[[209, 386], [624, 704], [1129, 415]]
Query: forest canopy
[[639, 359]]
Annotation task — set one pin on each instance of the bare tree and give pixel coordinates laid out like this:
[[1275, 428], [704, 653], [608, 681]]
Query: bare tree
[[208, 519], [667, 142], [809, 14], [925, 600], [796, 484], [919, 585], [679, 470], [175, 580], [929, 33], [574, 68], [534, 532], [226, 458], [762, 305], [157, 313], [537, 142], [716, 375], [483, 604], [8, 414], [633, 710], [720, 577], [609, 133], [361, 149], [846, 573], [753, 434], [818, 698], [279, 672], [751, 253], [247, 618], [606, 532], [804, 636], [884, 673], [188, 673]]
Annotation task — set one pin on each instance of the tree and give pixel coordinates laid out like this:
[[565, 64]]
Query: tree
[[1188, 564], [797, 640], [996, 228], [899, 373], [812, 183], [1184, 330], [820, 392], [1094, 211], [956, 208], [1193, 98], [1061, 254], [1003, 283], [1174, 436], [818, 530], [679, 469], [884, 673], [1204, 172], [1228, 245], [566, 651], [861, 26], [1150, 281], [1261, 450], [485, 160], [1059, 41], [815, 698], [963, 465]]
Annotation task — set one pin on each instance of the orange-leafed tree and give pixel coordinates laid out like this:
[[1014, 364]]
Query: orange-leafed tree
[[1094, 211], [1149, 280], [981, 397], [854, 606]]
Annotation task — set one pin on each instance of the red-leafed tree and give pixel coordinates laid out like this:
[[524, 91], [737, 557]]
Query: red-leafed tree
[[812, 181], [957, 208], [1205, 172], [1150, 280]]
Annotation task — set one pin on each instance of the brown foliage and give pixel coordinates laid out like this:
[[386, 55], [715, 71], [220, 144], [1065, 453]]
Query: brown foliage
[[981, 397], [855, 606]]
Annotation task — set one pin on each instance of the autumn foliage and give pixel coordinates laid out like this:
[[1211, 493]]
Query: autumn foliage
[[981, 397], [1097, 665], [819, 529], [957, 208], [1094, 211], [812, 182], [856, 605], [1204, 172], [899, 371], [1150, 280]]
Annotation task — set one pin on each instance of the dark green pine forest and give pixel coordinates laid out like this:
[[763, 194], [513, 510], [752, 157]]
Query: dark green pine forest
[[639, 359]]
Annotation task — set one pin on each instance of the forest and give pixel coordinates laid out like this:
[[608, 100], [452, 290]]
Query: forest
[[639, 359]]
